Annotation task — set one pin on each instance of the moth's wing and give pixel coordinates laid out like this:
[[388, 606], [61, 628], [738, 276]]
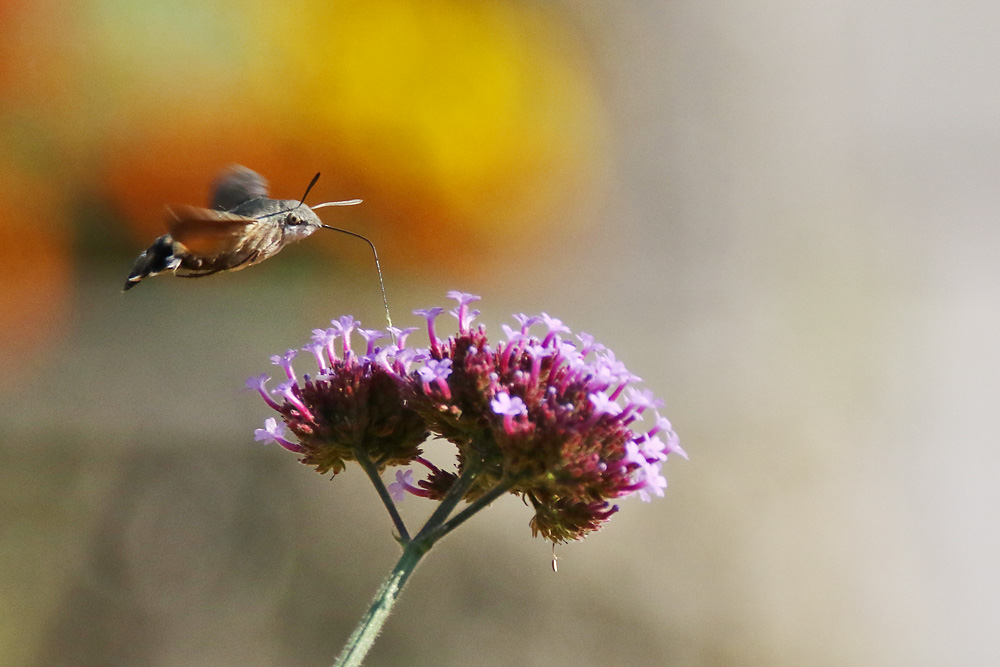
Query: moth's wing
[[236, 185], [207, 233]]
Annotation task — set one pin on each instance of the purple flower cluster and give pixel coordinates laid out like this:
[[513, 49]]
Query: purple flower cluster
[[353, 407], [555, 419]]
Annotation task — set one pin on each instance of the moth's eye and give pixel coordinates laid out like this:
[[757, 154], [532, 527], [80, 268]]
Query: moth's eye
[[292, 220]]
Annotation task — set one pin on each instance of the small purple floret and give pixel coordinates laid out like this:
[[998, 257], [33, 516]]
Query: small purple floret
[[430, 314], [317, 349], [343, 328], [526, 322], [285, 361], [275, 432], [462, 312], [604, 405], [287, 389], [400, 335], [508, 406], [436, 371], [370, 336], [258, 384], [404, 482]]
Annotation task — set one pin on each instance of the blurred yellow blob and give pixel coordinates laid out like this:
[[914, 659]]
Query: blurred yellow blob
[[469, 125]]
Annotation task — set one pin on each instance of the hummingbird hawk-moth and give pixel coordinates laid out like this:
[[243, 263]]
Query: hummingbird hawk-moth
[[243, 227]]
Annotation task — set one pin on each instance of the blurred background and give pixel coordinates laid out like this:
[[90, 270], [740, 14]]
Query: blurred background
[[781, 215]]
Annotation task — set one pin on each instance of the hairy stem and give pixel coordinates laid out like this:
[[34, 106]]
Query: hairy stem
[[361, 640]]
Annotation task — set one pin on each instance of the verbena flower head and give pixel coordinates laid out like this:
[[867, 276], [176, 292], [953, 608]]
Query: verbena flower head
[[551, 417], [352, 407]]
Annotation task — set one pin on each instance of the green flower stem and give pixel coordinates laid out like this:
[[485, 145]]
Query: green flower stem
[[448, 503], [364, 635], [372, 471], [467, 513], [437, 526], [361, 640]]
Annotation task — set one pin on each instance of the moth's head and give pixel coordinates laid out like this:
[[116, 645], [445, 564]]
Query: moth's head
[[300, 222]]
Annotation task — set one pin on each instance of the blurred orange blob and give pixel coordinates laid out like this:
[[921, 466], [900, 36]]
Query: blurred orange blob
[[175, 162], [35, 275], [34, 45]]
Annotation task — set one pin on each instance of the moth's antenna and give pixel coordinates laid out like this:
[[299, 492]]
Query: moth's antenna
[[308, 188], [346, 202], [378, 268]]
